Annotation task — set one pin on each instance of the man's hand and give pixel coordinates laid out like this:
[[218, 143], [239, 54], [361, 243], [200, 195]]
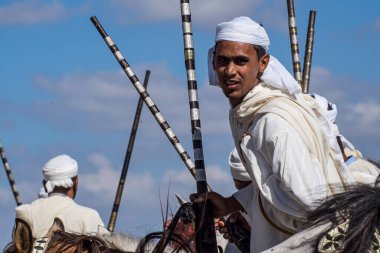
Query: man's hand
[[221, 206], [237, 222], [237, 230]]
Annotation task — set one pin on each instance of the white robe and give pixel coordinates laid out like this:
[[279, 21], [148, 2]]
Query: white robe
[[40, 215], [287, 175]]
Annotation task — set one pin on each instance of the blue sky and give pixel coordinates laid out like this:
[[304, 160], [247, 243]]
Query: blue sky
[[62, 91]]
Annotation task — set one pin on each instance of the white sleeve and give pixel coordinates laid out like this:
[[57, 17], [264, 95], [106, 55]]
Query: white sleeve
[[92, 222], [245, 197]]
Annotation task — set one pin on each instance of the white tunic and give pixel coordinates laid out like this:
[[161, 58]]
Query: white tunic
[[285, 174], [40, 215]]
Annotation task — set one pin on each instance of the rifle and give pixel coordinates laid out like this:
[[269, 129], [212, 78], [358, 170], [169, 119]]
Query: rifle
[[146, 97], [205, 231], [308, 53], [135, 125], [10, 175], [294, 41]]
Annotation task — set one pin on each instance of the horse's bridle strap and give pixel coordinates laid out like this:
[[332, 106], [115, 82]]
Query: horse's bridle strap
[[40, 244]]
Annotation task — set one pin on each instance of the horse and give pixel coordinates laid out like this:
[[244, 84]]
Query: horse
[[346, 222], [57, 240]]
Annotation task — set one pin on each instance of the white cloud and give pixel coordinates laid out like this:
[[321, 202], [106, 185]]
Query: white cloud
[[102, 95], [32, 12], [104, 180], [204, 13], [364, 117], [358, 107], [109, 96], [6, 195], [376, 24]]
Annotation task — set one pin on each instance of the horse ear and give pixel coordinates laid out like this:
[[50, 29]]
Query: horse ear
[[57, 226], [22, 236]]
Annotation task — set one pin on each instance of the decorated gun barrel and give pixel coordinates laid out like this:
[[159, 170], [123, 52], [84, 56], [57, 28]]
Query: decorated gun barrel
[[147, 99], [10, 176], [308, 53], [189, 54], [132, 137], [205, 237], [294, 41]]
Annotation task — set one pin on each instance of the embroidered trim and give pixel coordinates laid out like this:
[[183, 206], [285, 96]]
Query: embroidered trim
[[332, 241]]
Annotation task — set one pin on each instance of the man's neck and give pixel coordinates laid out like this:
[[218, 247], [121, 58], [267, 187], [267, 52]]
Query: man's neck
[[57, 194], [64, 192]]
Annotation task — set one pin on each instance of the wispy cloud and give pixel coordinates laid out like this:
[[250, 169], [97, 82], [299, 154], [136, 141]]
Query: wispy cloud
[[358, 106], [205, 14], [32, 12], [143, 190], [111, 97], [104, 178], [376, 24], [364, 117]]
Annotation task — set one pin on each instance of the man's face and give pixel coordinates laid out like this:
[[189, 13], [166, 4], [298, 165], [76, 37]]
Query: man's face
[[237, 67]]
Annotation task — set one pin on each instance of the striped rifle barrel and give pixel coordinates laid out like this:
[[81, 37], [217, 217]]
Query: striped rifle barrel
[[308, 53], [10, 175], [205, 237], [294, 41], [189, 54], [135, 125], [147, 99]]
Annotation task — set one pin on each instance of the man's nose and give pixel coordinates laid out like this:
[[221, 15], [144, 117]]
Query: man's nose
[[230, 69]]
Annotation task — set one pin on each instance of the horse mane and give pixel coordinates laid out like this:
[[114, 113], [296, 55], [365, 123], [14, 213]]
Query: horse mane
[[120, 240], [62, 241], [360, 206]]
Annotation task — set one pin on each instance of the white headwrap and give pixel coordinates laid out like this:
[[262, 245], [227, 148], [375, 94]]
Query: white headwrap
[[328, 108], [238, 170], [42, 193], [58, 172], [331, 111], [245, 30]]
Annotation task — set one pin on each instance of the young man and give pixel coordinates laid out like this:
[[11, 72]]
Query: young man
[[61, 184], [291, 159]]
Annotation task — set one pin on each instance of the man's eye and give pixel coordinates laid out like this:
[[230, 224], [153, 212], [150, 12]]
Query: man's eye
[[240, 61], [222, 61]]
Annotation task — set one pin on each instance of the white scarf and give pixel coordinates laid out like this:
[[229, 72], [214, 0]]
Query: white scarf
[[237, 168], [303, 113]]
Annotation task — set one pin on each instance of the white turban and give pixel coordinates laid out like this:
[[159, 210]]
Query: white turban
[[238, 170], [328, 108], [245, 30], [58, 172], [42, 193], [331, 111]]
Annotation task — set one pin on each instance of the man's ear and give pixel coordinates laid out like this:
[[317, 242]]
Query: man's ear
[[263, 62], [213, 60], [75, 185]]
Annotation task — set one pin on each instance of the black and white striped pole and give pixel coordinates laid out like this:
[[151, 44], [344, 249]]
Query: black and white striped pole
[[10, 175], [205, 235], [128, 155], [189, 54], [147, 99]]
